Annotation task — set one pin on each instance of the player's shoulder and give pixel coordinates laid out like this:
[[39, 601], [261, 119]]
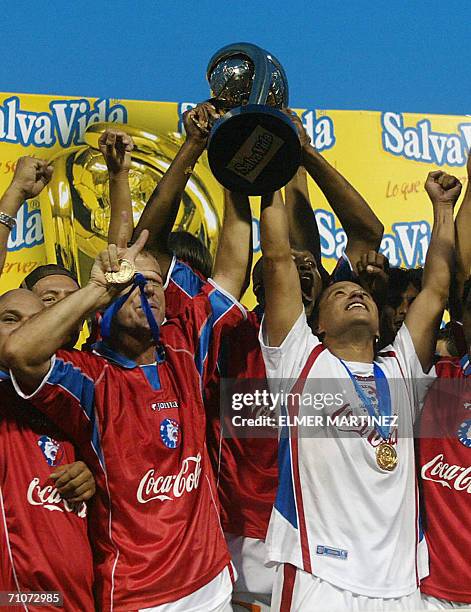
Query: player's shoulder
[[89, 362], [449, 367]]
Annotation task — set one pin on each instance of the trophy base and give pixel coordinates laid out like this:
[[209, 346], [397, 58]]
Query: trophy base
[[254, 149]]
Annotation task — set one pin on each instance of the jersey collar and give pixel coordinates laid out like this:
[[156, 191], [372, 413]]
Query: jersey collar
[[105, 351]]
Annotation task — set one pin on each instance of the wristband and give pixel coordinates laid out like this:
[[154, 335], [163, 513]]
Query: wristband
[[5, 219]]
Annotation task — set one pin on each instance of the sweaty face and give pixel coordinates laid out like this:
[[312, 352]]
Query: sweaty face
[[311, 282], [131, 316], [54, 288], [401, 309], [344, 305], [16, 307]]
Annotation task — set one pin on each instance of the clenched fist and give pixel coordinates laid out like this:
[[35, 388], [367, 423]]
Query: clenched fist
[[31, 176]]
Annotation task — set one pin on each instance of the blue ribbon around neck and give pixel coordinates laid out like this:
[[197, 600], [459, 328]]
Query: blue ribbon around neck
[[382, 393], [109, 314]]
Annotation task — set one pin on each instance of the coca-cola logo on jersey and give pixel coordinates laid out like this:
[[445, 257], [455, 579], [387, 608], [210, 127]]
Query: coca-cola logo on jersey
[[164, 488], [49, 498], [448, 475]]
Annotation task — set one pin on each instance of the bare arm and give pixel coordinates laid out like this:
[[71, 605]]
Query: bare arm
[[463, 242], [29, 348], [116, 147], [30, 177], [234, 255], [424, 316], [161, 210], [363, 228], [283, 298], [303, 230]]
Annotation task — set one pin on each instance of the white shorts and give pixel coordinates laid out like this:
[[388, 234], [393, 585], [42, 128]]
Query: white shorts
[[432, 603], [297, 591], [212, 597], [254, 582]]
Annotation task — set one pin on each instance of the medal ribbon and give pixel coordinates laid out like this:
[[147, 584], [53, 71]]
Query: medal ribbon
[[382, 393], [107, 319]]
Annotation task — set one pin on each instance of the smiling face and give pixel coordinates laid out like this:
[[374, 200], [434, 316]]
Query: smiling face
[[16, 307], [346, 305], [130, 317]]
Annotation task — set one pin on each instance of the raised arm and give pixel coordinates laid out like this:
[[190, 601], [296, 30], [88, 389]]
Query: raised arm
[[463, 243], [29, 349], [30, 177], [161, 210], [234, 254], [363, 228], [425, 314], [116, 147], [283, 298], [303, 230]]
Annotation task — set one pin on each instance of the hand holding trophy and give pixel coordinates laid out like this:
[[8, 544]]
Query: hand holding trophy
[[254, 148]]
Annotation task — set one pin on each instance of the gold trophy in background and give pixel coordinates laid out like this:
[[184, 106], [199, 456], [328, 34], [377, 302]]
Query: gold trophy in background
[[75, 205]]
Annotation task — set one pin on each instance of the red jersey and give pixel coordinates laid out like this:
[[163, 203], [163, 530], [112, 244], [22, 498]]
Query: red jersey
[[44, 544], [156, 525], [246, 467], [182, 285], [445, 464]]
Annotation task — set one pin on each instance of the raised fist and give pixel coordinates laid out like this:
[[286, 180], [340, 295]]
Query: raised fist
[[116, 147], [373, 274], [442, 188], [31, 176]]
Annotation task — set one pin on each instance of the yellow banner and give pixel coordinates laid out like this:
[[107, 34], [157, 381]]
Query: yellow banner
[[386, 156]]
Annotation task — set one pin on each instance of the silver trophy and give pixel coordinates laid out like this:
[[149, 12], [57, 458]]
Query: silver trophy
[[253, 148]]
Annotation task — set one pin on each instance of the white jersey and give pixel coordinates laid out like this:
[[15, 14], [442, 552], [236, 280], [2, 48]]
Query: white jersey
[[338, 514]]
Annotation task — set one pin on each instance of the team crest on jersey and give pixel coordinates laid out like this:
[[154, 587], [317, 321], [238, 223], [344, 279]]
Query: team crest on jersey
[[170, 433], [464, 433], [52, 450]]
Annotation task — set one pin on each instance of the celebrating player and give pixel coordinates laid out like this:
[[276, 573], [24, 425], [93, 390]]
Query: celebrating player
[[445, 452], [344, 530], [135, 409]]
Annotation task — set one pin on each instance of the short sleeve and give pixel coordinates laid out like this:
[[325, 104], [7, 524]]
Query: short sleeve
[[206, 318], [182, 285], [287, 360], [67, 395]]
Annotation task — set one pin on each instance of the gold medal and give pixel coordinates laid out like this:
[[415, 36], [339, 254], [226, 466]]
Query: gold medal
[[386, 457], [125, 273]]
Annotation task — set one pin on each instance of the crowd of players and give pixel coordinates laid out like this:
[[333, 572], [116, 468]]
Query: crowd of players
[[118, 485]]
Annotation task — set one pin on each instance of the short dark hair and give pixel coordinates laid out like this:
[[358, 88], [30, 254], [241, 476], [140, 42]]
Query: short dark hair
[[192, 251], [399, 280], [446, 334], [43, 271]]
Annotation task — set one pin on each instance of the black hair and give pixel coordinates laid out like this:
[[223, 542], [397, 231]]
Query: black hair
[[399, 280], [43, 271], [446, 333], [192, 251]]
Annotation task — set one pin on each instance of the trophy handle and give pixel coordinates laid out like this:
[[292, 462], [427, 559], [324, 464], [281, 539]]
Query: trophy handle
[[262, 76]]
